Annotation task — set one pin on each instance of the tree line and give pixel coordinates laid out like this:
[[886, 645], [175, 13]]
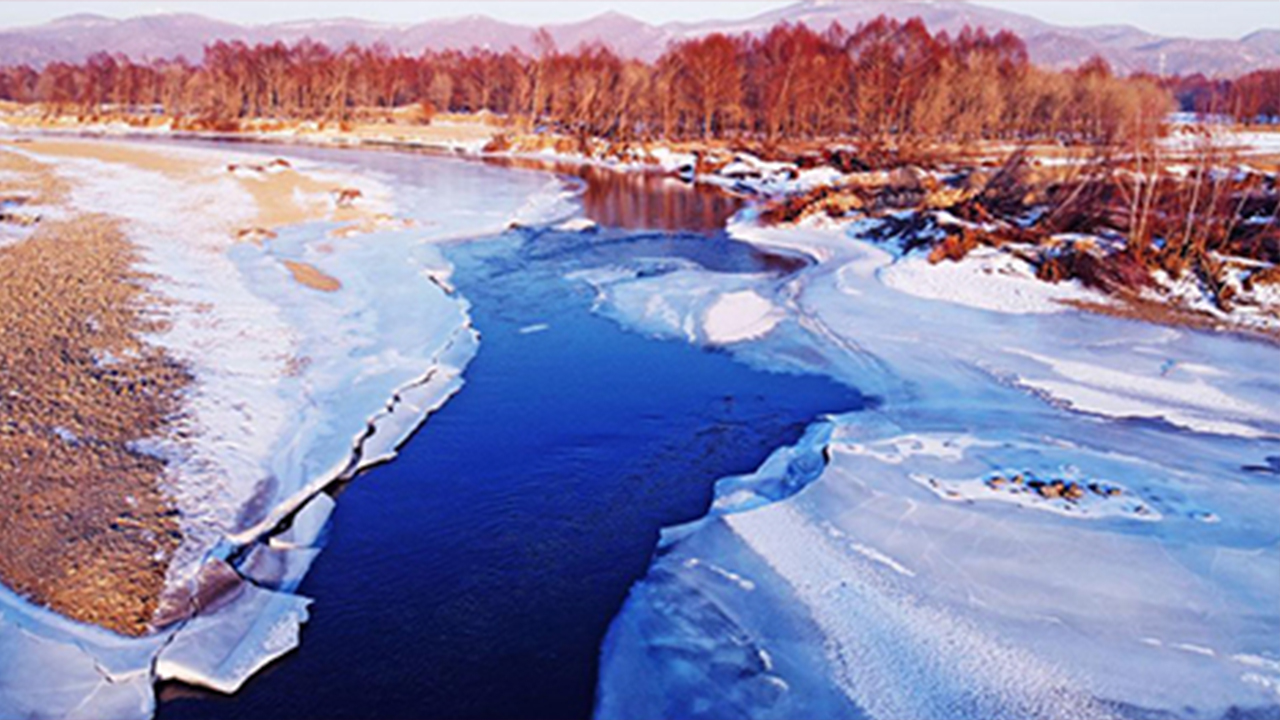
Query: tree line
[[1253, 98], [885, 79]]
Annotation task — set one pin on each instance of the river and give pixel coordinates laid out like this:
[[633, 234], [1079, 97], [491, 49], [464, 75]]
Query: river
[[475, 576]]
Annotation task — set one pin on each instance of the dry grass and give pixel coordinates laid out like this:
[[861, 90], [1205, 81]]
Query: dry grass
[[85, 526]]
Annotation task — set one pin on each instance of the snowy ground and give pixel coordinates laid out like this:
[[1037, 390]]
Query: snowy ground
[[1050, 514], [1189, 137], [294, 388], [988, 279]]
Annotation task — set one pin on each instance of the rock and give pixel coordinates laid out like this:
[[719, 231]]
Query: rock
[[1265, 276], [908, 177], [19, 219], [255, 234], [1051, 490], [953, 247], [237, 168], [346, 197]]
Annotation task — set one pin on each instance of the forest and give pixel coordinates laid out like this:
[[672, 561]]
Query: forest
[[885, 79], [1251, 99]]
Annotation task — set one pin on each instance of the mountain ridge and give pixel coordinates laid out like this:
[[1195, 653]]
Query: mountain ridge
[[169, 35]]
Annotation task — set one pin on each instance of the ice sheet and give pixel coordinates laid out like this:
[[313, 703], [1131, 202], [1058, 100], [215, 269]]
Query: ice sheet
[[1047, 515], [222, 646]]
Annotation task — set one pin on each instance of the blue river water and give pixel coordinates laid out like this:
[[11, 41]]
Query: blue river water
[[475, 576]]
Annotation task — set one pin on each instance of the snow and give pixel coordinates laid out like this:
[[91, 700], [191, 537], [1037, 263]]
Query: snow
[[988, 279], [691, 304], [98, 674], [1047, 513], [1195, 136], [578, 224], [738, 316], [748, 173], [1193, 402], [1261, 143], [307, 525], [673, 162], [1257, 307], [902, 659], [555, 204]]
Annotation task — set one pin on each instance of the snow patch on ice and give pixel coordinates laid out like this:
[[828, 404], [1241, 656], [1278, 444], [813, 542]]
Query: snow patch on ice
[[577, 225], [732, 577], [1194, 404], [555, 203], [901, 658], [738, 316]]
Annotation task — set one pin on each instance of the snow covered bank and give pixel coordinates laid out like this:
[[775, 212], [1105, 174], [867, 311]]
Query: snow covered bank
[[1050, 514], [987, 279], [294, 388], [457, 135], [1192, 136]]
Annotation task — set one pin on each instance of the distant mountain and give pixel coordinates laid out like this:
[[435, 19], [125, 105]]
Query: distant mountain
[[1127, 48], [76, 37], [169, 35]]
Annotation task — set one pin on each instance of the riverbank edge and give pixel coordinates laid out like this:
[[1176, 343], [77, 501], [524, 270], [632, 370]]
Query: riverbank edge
[[738, 174]]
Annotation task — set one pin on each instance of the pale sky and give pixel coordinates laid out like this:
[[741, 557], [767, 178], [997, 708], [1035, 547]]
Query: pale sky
[[1188, 18]]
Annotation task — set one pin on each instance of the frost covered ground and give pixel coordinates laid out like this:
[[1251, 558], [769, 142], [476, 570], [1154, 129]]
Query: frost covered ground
[[1049, 514], [296, 384]]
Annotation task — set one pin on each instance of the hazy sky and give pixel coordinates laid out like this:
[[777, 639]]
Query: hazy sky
[[1192, 18]]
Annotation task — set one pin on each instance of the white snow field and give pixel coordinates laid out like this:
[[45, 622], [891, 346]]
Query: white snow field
[[1047, 514], [294, 388]]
